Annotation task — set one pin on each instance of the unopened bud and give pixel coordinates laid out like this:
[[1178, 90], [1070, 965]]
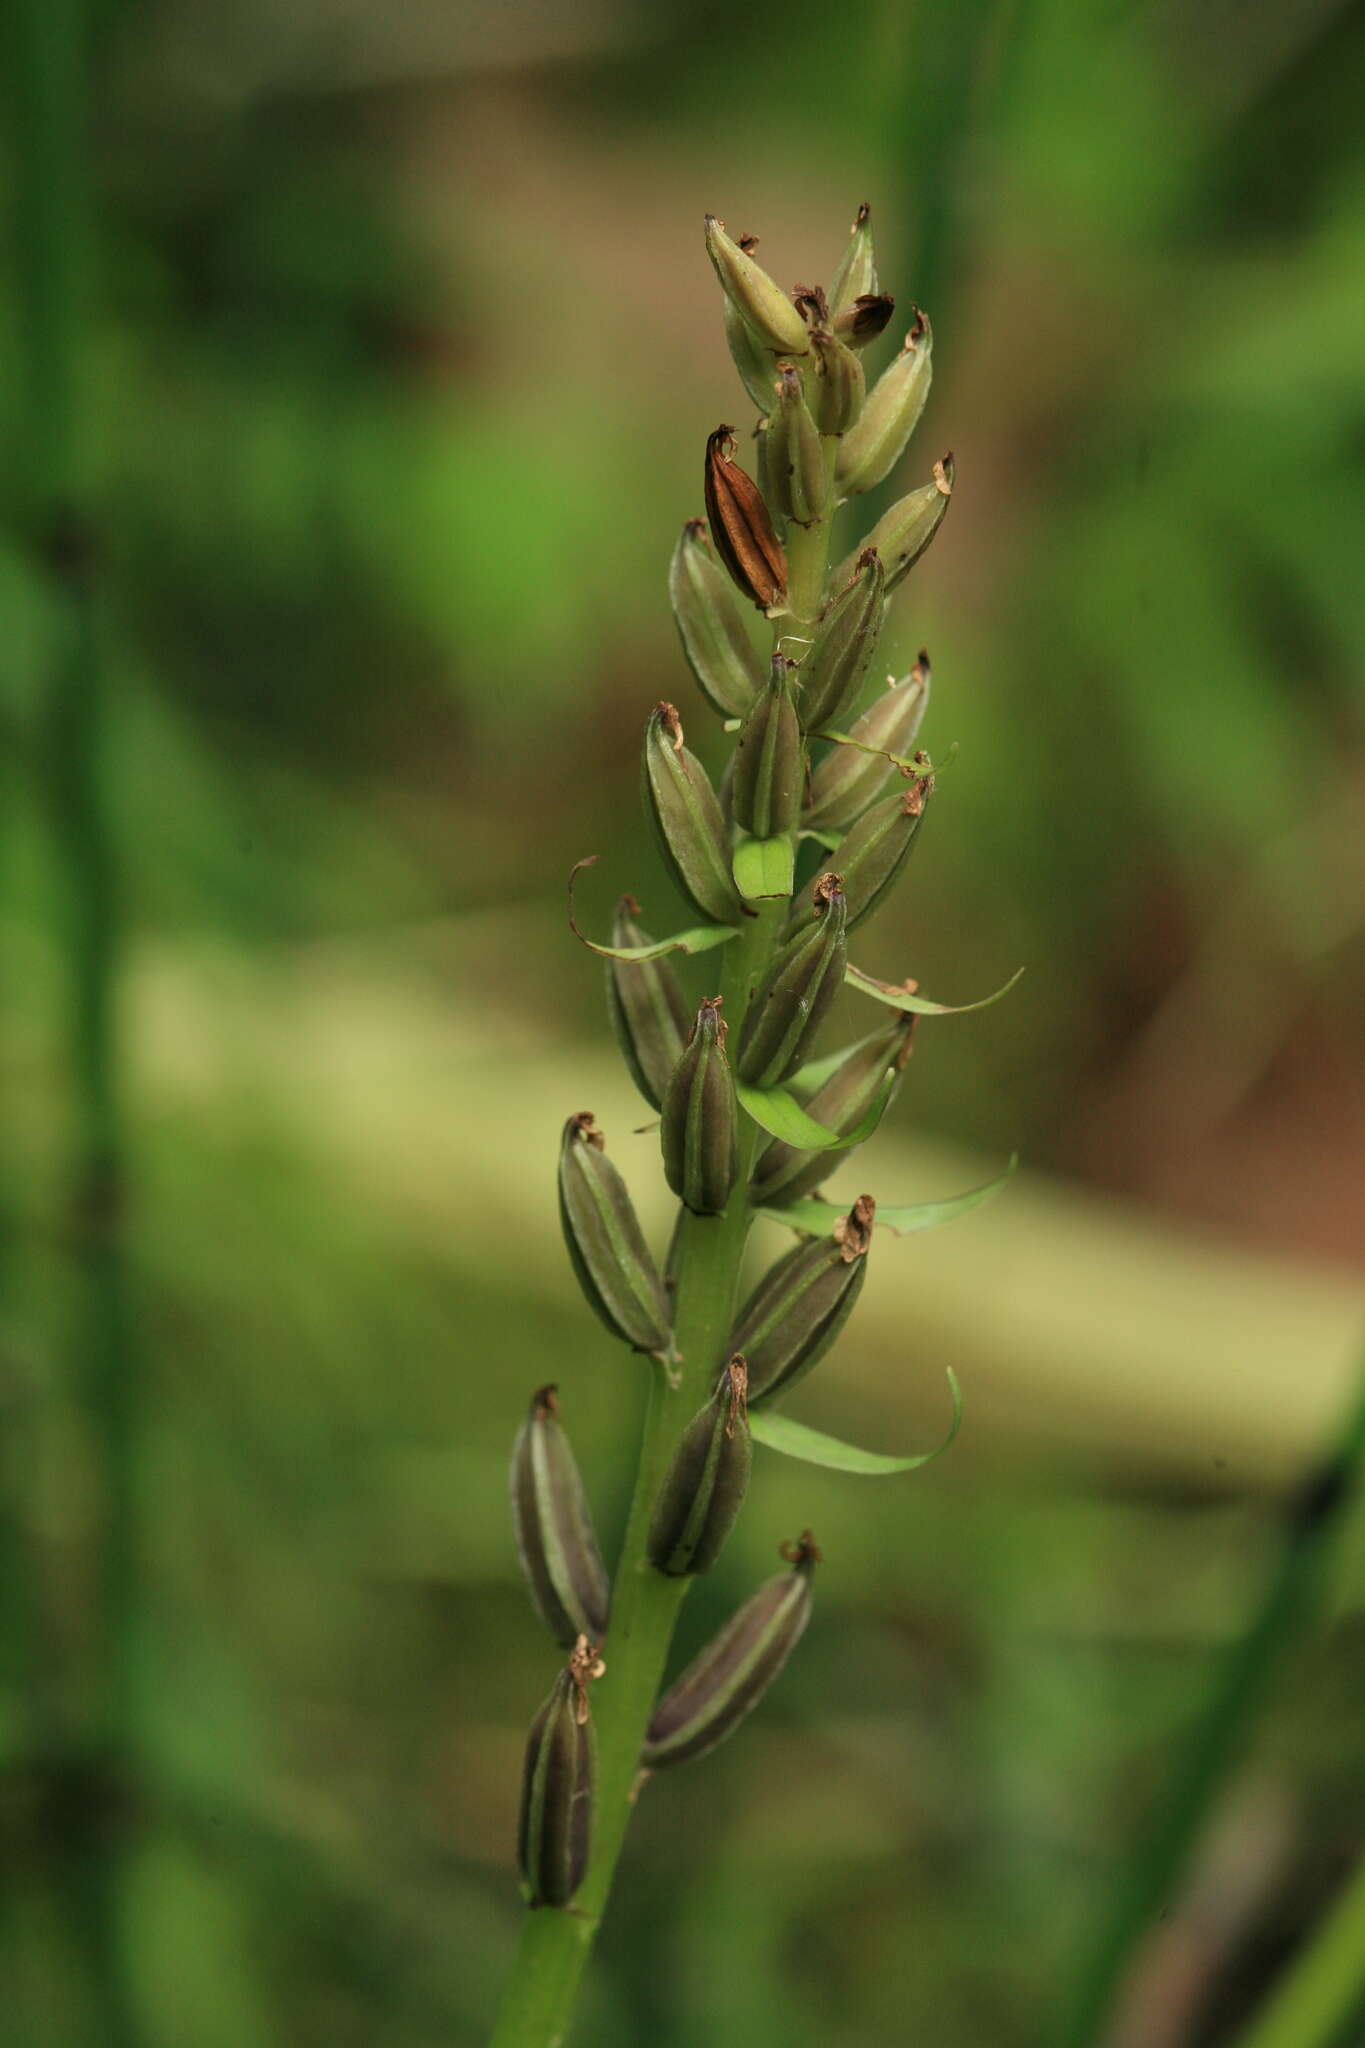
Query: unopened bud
[[847, 780], [727, 1681], [606, 1244], [699, 1130], [871, 450], [555, 1538], [856, 276], [756, 364], [791, 1003], [836, 391], [844, 643], [784, 1174], [874, 852], [902, 534], [740, 525], [769, 762], [800, 1305], [647, 1008], [757, 298], [797, 477], [867, 317], [720, 654], [555, 1827], [704, 1486], [682, 807]]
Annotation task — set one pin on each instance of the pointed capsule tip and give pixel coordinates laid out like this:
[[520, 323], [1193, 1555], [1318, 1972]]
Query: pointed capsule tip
[[543, 1401], [803, 1553], [863, 217], [945, 472]]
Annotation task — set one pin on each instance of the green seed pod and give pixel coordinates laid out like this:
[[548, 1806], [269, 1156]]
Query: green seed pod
[[647, 1007], [756, 364], [726, 664], [783, 1173], [796, 476], [790, 1005], [857, 273], [555, 1538], [873, 854], [605, 1241], [704, 1487], [845, 641], [727, 1681], [836, 392], [867, 317], [555, 1826], [757, 298], [799, 1307], [681, 805], [770, 764], [699, 1130], [902, 534], [848, 780], [870, 451]]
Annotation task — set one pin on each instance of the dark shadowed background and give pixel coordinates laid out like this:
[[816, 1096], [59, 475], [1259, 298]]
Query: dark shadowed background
[[380, 403]]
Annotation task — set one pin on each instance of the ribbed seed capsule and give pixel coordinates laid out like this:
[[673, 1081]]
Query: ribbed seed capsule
[[867, 317], [605, 1241], [555, 1538], [799, 1307], [874, 852], [783, 1173], [704, 1486], [682, 807], [555, 1828], [848, 780], [844, 643], [790, 1005], [871, 450], [796, 475], [769, 761], [727, 666], [727, 1681], [740, 525], [836, 392], [699, 1130], [902, 534], [647, 1007], [755, 363], [857, 272], [757, 298]]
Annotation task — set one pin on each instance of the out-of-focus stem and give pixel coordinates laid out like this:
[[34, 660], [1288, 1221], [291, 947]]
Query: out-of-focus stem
[[1323, 1989]]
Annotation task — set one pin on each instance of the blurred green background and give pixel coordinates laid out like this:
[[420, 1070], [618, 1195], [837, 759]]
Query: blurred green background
[[386, 384]]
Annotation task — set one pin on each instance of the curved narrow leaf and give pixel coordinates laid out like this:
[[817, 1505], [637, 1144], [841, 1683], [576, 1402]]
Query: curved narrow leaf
[[798, 1440], [765, 867], [807, 1080], [782, 1116], [699, 939], [903, 998], [819, 1218]]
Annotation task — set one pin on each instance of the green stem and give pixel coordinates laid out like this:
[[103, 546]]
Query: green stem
[[808, 553], [1215, 1742], [1323, 1988]]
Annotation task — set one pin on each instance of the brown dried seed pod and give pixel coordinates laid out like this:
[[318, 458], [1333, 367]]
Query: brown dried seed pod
[[740, 525]]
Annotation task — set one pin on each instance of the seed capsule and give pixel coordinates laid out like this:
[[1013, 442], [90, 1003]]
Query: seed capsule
[[845, 641], [867, 317], [555, 1538], [848, 780], [755, 363], [874, 852], [789, 1007], [555, 1826], [704, 1486], [902, 534], [770, 765], [857, 272], [870, 450], [796, 475], [785, 1174], [757, 298], [682, 807], [800, 1305], [836, 392], [728, 668], [740, 525], [727, 1681], [699, 1129], [647, 1007], [605, 1241]]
